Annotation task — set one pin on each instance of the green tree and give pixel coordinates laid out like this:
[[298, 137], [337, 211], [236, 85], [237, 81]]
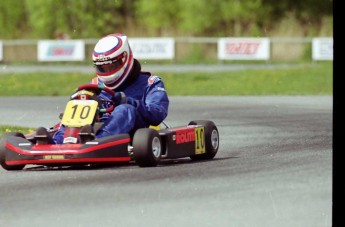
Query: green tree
[[80, 19], [90, 19], [12, 19], [157, 17], [231, 18]]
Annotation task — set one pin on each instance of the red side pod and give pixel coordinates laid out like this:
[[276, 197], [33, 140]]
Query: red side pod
[[113, 149]]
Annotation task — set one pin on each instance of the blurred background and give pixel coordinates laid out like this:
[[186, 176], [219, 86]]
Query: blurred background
[[194, 24]]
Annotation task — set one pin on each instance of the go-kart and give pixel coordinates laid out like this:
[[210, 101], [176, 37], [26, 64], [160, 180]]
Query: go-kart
[[198, 140]]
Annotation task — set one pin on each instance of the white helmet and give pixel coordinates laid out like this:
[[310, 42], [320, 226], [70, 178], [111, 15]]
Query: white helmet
[[113, 59]]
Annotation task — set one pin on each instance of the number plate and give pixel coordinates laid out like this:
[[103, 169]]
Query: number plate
[[199, 140], [79, 113]]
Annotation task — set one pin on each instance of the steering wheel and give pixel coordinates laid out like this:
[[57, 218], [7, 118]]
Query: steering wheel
[[97, 89]]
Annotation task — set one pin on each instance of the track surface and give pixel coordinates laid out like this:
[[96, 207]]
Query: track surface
[[274, 168]]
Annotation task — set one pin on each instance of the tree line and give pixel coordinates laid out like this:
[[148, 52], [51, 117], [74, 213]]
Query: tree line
[[31, 19]]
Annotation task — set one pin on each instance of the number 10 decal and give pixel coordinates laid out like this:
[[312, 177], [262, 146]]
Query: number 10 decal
[[83, 114], [79, 113], [199, 140]]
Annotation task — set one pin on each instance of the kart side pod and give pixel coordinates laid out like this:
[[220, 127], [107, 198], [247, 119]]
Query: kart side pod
[[199, 141]]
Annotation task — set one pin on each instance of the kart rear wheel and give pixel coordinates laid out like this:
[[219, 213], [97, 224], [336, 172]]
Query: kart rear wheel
[[147, 147], [211, 139], [8, 134], [2, 154]]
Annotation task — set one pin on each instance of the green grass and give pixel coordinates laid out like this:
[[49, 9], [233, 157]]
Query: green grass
[[8, 128], [41, 84], [307, 79]]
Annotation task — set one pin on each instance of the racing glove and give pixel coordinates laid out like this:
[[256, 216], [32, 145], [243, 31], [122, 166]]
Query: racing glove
[[121, 98]]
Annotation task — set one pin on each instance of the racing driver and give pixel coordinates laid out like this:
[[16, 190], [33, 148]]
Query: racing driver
[[140, 97]]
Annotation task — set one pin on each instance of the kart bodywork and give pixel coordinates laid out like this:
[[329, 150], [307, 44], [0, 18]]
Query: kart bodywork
[[198, 140]]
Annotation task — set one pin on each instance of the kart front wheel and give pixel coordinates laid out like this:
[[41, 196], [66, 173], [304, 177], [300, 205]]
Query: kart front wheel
[[11, 167], [147, 147], [211, 140], [2, 151]]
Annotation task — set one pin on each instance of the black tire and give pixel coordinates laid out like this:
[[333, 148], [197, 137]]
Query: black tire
[[11, 167], [147, 147], [9, 134], [2, 154], [211, 139]]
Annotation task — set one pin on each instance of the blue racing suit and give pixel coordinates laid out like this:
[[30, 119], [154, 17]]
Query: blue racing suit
[[151, 107]]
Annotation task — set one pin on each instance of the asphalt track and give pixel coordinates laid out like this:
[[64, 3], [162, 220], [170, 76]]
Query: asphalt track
[[274, 168]]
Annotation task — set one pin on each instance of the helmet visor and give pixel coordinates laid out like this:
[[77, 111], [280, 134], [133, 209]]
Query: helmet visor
[[112, 65]]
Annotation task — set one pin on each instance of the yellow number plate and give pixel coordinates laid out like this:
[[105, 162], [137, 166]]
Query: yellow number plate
[[199, 140], [79, 113]]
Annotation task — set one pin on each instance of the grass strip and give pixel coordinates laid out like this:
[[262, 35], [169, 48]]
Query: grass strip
[[309, 79]]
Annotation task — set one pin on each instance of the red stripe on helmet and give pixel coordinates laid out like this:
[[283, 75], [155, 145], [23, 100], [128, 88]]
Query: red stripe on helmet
[[124, 75], [112, 50]]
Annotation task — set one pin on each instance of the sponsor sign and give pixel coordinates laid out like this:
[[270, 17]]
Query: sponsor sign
[[194, 135], [152, 48], [1, 54], [322, 48], [185, 136], [53, 157], [61, 50], [244, 49]]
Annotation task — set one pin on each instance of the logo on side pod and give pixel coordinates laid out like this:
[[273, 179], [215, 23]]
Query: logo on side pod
[[185, 136]]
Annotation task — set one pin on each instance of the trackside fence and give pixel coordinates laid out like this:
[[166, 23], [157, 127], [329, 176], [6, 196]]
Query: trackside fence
[[193, 50]]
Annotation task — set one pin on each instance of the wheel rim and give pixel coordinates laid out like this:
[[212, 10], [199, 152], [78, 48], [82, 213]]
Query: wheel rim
[[215, 139], [156, 147]]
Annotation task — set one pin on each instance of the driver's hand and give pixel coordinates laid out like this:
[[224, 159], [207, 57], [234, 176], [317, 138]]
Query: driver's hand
[[119, 98]]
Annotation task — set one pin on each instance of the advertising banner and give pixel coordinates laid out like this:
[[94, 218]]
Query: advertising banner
[[244, 49], [153, 48], [322, 49], [61, 50]]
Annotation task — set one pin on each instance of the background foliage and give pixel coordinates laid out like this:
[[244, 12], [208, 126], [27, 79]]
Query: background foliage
[[90, 19]]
